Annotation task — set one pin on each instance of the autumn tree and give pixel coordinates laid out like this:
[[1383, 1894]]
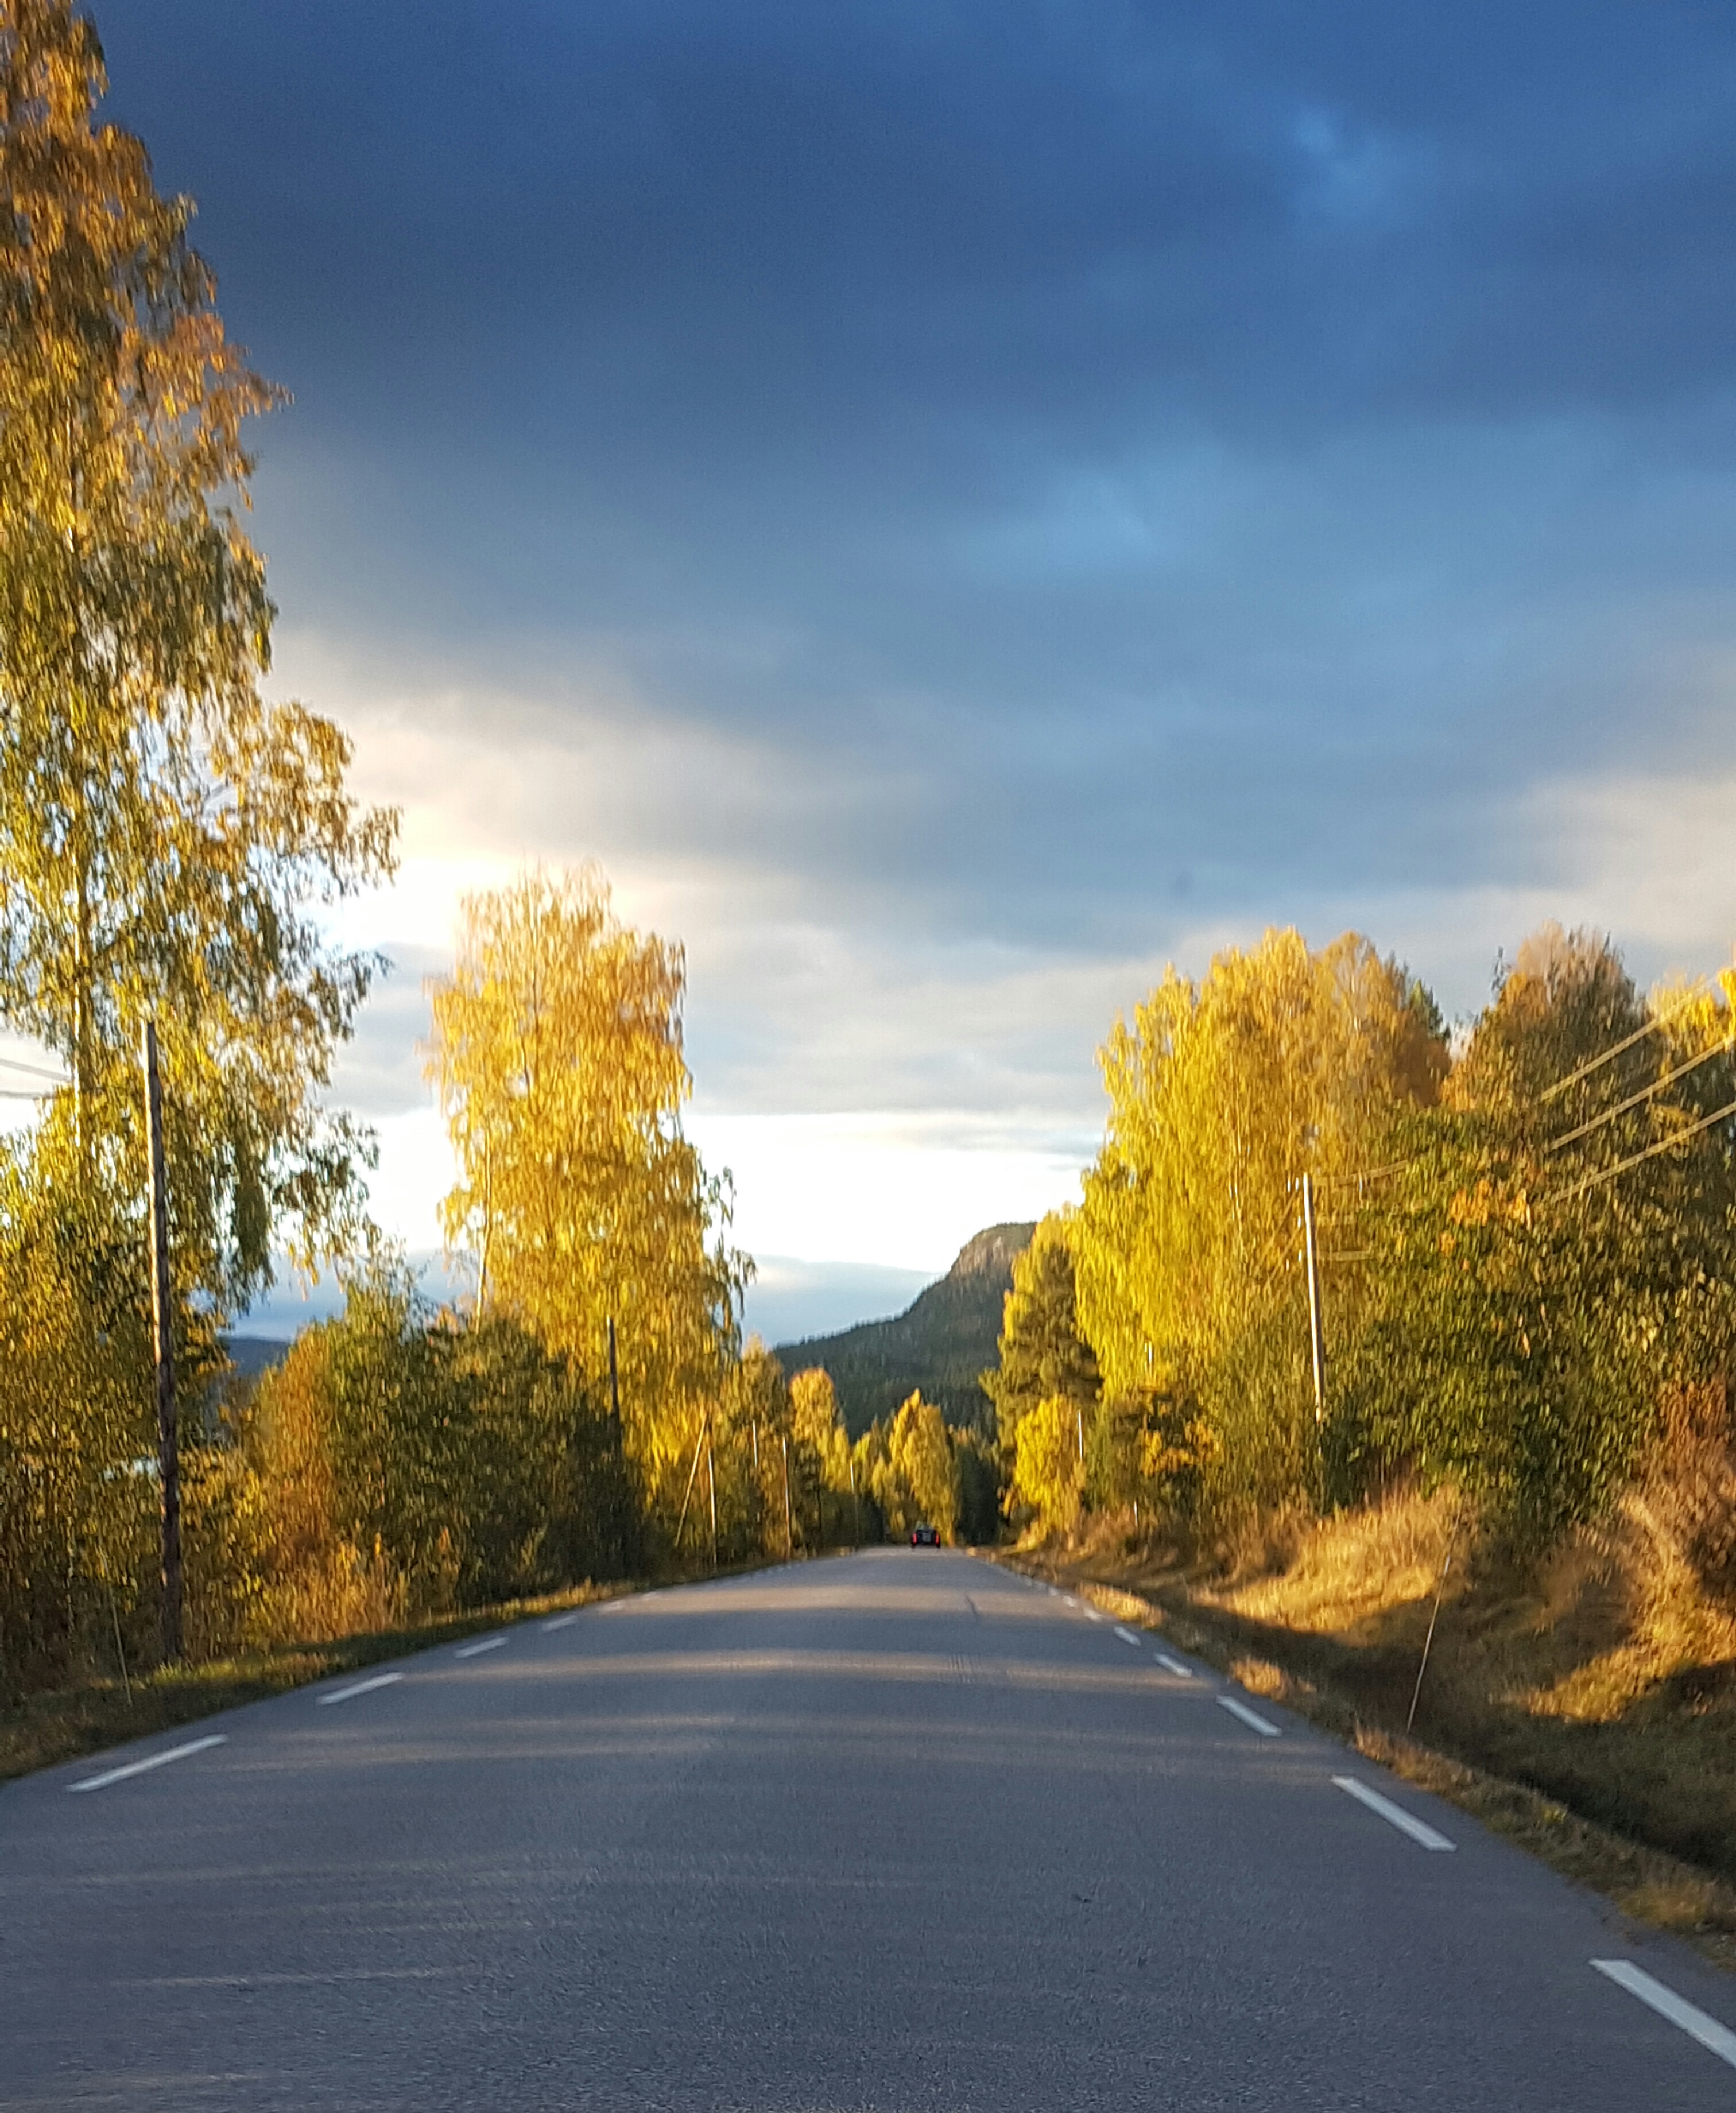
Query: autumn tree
[[1552, 1254], [1281, 1063], [167, 836], [1043, 1352], [819, 1423], [171, 841], [1048, 1473], [913, 1478], [557, 1051], [746, 1425]]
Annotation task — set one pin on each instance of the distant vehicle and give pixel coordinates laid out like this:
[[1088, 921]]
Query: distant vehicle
[[925, 1536]]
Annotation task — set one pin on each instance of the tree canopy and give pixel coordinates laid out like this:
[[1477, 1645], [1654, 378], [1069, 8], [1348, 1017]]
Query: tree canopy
[[557, 1055], [167, 833]]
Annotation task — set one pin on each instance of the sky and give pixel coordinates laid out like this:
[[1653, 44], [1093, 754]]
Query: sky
[[953, 507]]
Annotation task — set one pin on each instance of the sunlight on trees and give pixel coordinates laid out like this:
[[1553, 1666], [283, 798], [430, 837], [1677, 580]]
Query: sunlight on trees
[[557, 1053], [165, 832], [169, 842], [1526, 1256], [1042, 1352]]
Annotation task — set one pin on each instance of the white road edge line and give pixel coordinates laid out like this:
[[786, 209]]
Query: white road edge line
[[1251, 1717], [561, 1622], [1174, 1665], [1715, 2038], [1420, 1831], [1126, 1635], [475, 1651], [154, 1761], [361, 1687]]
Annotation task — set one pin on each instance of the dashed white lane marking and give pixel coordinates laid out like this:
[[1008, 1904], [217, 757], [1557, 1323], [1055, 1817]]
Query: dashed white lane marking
[[1126, 1635], [475, 1651], [1174, 1665], [152, 1761], [1068, 1599], [561, 1622], [1251, 1717], [360, 1688], [1091, 1614], [1419, 1831], [1715, 2038]]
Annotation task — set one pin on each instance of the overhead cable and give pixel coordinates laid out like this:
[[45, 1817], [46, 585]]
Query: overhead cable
[[1650, 1151], [34, 1070], [1645, 1093], [1597, 1063]]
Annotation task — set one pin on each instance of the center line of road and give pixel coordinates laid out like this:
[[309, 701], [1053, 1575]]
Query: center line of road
[[1251, 1717], [561, 1622], [153, 1761], [1174, 1665], [359, 1688], [1715, 2038], [475, 1651], [1395, 1815], [1126, 1635], [1091, 1614]]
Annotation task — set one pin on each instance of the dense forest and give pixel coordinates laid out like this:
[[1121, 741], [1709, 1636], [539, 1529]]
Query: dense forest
[[1524, 1249]]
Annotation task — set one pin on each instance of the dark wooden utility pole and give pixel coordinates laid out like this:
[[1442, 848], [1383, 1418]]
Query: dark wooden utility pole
[[162, 1322], [614, 1386], [789, 1530]]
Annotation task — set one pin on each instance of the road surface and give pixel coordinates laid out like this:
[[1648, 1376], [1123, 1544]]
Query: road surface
[[894, 1830]]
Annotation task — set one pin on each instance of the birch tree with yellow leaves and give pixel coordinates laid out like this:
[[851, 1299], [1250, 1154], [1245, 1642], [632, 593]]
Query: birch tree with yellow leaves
[[168, 836], [557, 1053], [165, 831], [1281, 1061]]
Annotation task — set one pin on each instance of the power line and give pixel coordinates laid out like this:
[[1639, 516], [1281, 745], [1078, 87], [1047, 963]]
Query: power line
[[1650, 1151], [1374, 1173], [1549, 1092], [34, 1070], [1645, 1093], [1597, 1063]]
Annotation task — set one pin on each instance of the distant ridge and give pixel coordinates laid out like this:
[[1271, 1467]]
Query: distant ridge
[[940, 1344]]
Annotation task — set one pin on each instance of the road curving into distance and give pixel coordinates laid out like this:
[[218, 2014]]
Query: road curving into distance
[[896, 1830]]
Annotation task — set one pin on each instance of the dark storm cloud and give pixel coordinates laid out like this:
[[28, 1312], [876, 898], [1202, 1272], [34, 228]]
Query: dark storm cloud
[[1150, 458]]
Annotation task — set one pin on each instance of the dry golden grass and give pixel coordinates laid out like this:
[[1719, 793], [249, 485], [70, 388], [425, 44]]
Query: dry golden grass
[[1585, 1706], [1358, 1566]]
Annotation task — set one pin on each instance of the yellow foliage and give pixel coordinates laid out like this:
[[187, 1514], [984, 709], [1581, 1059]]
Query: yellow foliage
[[557, 1050], [164, 826], [910, 1471], [1221, 1095], [1048, 1473], [818, 1422]]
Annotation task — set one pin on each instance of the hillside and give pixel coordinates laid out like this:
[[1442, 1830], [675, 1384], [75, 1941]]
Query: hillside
[[940, 1343]]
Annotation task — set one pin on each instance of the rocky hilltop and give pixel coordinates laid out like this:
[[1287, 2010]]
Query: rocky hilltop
[[940, 1343]]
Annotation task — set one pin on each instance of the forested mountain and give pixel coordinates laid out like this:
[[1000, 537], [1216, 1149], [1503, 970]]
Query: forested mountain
[[940, 1344]]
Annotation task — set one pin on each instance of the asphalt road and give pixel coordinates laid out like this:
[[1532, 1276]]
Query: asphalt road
[[895, 1830]]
